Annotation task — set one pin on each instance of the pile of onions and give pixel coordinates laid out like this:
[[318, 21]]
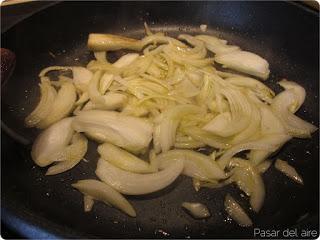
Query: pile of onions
[[167, 100]]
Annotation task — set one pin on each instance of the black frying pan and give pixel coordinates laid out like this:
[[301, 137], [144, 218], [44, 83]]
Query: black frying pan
[[33, 205]]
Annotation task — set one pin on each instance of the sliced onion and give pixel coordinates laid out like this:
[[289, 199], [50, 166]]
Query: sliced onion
[[269, 143], [123, 159], [252, 129], [288, 170], [246, 62], [207, 138], [196, 165], [62, 105], [51, 140], [261, 90], [134, 183], [70, 156], [217, 45], [81, 78], [236, 212], [294, 125], [170, 123], [102, 192], [228, 124], [48, 95], [299, 91], [197, 210], [249, 180], [264, 166], [84, 97], [126, 60], [105, 82], [131, 133], [101, 56], [87, 203], [109, 42]]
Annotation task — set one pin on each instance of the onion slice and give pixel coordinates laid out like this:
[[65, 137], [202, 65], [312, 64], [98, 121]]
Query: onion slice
[[123, 159], [197, 210], [62, 105], [236, 212], [288, 170], [246, 62], [48, 95], [70, 156], [87, 203], [196, 165], [131, 133], [52, 140], [102, 192], [134, 183]]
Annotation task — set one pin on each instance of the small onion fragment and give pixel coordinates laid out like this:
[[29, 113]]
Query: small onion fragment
[[87, 203], [264, 166], [196, 165], [102, 192], [246, 62], [197, 210], [50, 141], [134, 183], [288, 170], [131, 133], [81, 78], [48, 95], [70, 156], [236, 212], [294, 125], [123, 159], [62, 105], [170, 122]]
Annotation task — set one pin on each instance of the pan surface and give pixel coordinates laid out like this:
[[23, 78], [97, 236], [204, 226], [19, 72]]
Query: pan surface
[[38, 206]]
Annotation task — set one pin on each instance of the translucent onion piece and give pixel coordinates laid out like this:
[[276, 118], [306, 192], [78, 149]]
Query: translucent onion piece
[[294, 125], [268, 143], [105, 82], [288, 170], [87, 203], [264, 166], [131, 133], [126, 60], [249, 180], [170, 122], [48, 95], [134, 183], [228, 124], [261, 90], [82, 99], [236, 212], [196, 183], [197, 210], [62, 105], [123, 159], [252, 129], [70, 156], [196, 165], [217, 45], [299, 91], [207, 138], [51, 140], [109, 42], [246, 62], [102, 192], [81, 78], [101, 56], [53, 68]]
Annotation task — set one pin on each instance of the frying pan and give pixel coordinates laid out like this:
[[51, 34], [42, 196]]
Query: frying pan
[[286, 34]]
